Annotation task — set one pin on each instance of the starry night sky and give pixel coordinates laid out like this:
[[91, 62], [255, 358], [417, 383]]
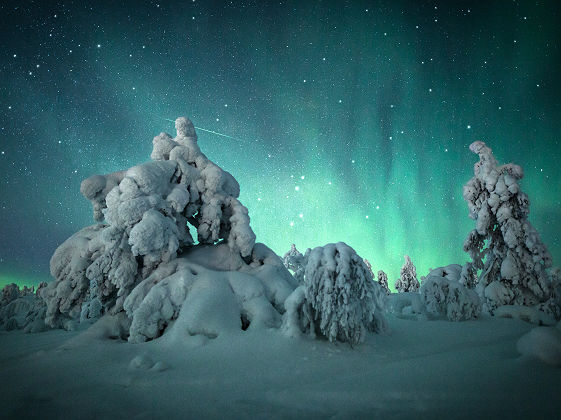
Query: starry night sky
[[352, 119]]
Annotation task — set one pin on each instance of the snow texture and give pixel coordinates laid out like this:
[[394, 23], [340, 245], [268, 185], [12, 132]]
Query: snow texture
[[145, 212], [513, 260], [339, 299], [407, 282], [531, 314], [542, 343], [443, 294]]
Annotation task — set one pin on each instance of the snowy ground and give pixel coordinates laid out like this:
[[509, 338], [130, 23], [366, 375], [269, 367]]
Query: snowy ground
[[421, 369]]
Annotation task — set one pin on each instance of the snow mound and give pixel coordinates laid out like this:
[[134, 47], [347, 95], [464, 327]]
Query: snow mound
[[339, 299], [442, 294], [189, 299], [531, 314], [542, 343]]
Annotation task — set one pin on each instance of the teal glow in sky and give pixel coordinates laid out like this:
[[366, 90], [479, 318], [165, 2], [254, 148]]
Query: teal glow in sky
[[349, 121]]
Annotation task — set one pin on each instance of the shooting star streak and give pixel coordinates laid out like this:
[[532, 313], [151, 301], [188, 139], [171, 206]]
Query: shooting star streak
[[214, 132]]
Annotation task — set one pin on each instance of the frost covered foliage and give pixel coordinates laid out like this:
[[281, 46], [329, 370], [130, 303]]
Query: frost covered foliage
[[504, 245], [443, 294], [294, 261], [383, 281], [145, 212], [407, 282], [338, 300], [22, 309]]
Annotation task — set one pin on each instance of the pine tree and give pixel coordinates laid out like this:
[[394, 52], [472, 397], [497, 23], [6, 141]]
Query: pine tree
[[504, 245], [407, 282]]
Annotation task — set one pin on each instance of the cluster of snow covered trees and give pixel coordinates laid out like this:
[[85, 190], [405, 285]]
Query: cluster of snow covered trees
[[141, 265]]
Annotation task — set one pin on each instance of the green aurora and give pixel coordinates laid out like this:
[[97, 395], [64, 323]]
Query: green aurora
[[351, 120]]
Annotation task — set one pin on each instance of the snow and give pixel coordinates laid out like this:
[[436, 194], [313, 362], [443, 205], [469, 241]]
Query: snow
[[417, 369], [443, 294], [160, 327], [542, 343]]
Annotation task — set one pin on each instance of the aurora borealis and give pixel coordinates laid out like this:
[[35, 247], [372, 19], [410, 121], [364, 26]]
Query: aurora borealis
[[352, 120]]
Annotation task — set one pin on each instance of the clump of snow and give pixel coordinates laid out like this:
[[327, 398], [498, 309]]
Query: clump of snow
[[407, 282], [145, 212], [339, 298], [513, 260], [542, 343], [443, 294]]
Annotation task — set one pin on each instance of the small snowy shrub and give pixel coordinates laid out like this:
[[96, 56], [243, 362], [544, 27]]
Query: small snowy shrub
[[383, 281], [339, 299], [443, 294], [407, 282], [513, 260]]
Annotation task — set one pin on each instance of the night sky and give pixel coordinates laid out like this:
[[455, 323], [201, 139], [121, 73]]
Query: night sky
[[352, 119]]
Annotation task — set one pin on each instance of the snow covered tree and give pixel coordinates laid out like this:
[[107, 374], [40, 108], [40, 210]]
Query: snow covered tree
[[443, 294], [22, 308], [407, 282], [142, 259], [339, 299], [294, 261], [383, 281], [504, 245]]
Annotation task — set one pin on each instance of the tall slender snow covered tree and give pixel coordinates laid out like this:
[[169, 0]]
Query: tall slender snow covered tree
[[407, 282], [383, 281], [504, 245]]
